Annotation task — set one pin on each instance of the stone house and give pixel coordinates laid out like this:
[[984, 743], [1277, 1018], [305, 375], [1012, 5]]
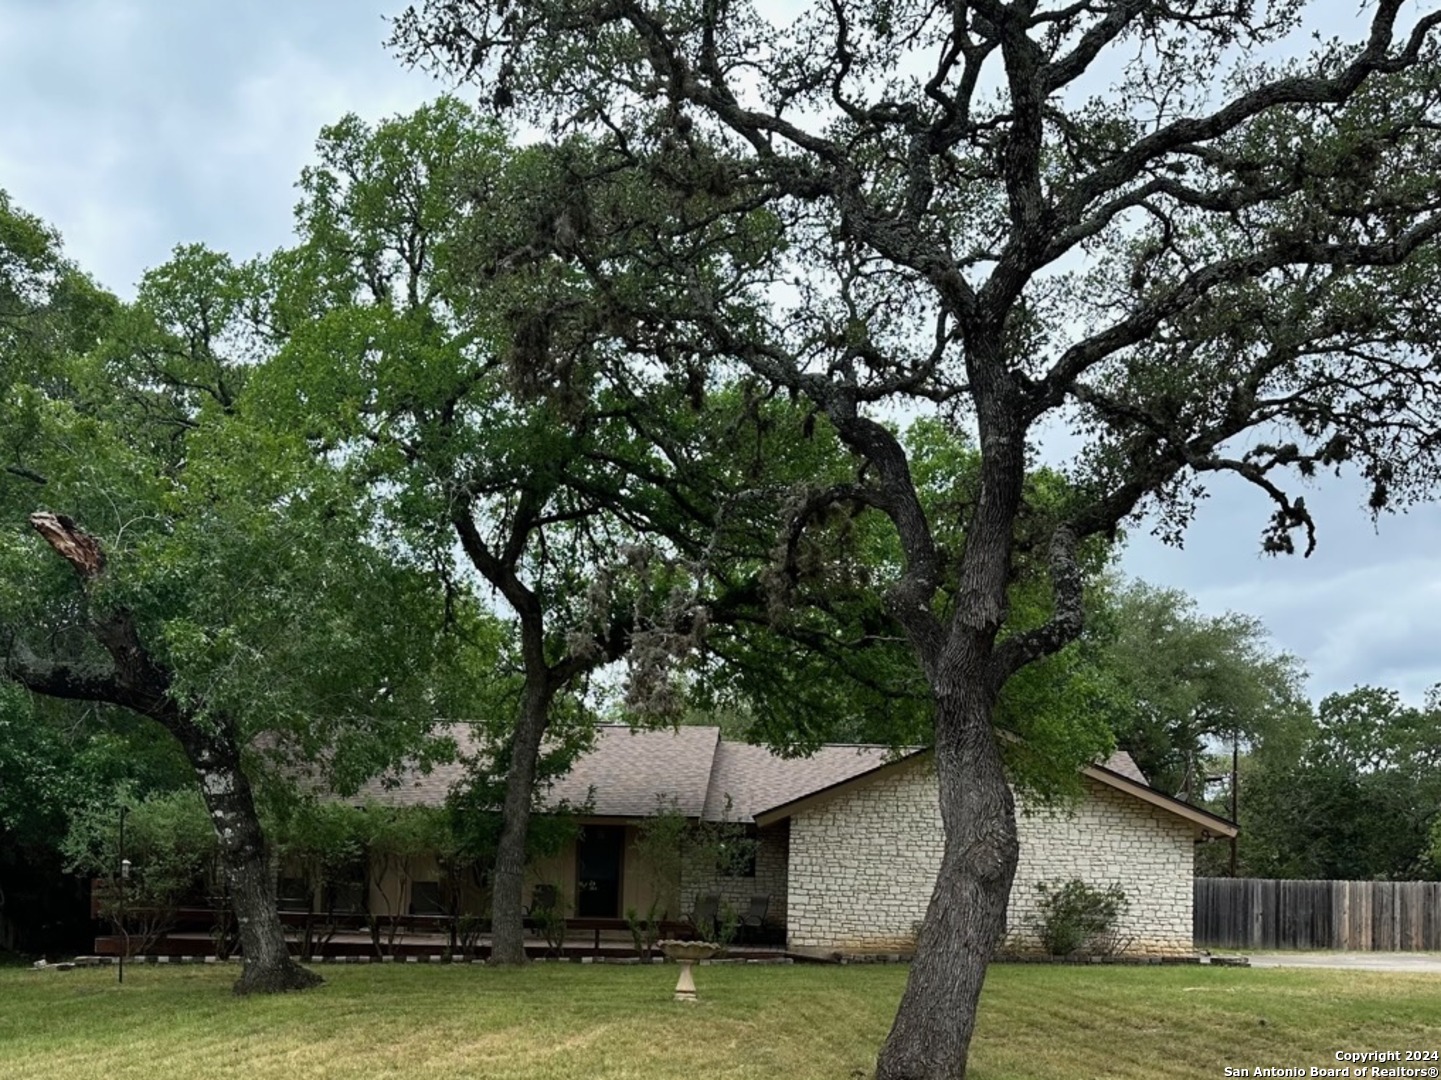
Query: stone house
[[847, 842]]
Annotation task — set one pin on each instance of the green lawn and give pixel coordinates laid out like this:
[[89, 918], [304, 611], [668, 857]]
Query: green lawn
[[556, 1021]]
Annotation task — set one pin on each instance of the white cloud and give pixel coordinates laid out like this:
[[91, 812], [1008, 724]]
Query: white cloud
[[1366, 607], [135, 127]]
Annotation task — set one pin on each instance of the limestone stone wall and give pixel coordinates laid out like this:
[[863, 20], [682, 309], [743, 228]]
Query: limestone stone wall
[[1111, 837], [699, 877], [863, 864]]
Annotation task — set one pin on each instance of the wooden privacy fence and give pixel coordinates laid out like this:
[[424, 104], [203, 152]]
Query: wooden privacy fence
[[1263, 913]]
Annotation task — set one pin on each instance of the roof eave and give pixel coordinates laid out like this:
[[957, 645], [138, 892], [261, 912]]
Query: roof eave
[[1209, 823], [815, 798]]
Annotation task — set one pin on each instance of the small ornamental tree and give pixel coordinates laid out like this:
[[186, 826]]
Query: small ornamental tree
[[659, 847], [319, 841], [397, 839], [1125, 217], [170, 846]]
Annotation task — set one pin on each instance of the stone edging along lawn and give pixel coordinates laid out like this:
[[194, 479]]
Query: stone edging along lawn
[[836, 958], [104, 961]]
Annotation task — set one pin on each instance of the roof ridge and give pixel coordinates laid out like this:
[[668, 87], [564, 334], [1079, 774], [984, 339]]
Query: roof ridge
[[831, 746], [710, 780], [664, 728]]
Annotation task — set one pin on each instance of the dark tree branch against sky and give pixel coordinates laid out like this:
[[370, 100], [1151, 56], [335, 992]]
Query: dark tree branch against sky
[[1209, 280], [137, 123]]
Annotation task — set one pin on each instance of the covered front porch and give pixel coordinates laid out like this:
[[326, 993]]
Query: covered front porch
[[605, 891], [608, 871]]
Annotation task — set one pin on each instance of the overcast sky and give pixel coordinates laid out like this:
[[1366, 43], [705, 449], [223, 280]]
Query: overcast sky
[[136, 125]]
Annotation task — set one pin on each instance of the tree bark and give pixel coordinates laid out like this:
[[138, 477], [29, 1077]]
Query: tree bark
[[268, 967], [966, 919], [507, 930]]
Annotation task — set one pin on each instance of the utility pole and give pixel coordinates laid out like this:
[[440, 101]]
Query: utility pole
[[1235, 789]]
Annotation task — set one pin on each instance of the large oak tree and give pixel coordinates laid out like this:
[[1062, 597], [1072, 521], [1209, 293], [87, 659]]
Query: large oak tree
[[437, 344], [211, 576], [1126, 216]]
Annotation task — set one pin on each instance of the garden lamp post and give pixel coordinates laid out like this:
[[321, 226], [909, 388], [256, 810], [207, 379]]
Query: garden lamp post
[[124, 877]]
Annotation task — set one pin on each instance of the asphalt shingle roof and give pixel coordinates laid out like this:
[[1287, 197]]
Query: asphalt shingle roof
[[1122, 762], [630, 773], [756, 779]]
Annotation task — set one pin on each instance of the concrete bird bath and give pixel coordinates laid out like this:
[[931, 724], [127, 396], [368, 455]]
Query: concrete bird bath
[[686, 953]]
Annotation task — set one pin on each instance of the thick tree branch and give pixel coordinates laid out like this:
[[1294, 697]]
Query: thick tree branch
[[77, 547], [1066, 69], [1067, 617], [73, 682], [495, 570], [1051, 390], [26, 474], [1293, 90]]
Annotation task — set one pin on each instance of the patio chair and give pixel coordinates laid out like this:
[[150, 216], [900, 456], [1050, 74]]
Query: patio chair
[[753, 921], [542, 898], [703, 918]]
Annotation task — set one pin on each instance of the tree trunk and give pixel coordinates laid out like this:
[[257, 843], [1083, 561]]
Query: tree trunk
[[966, 919], [507, 930], [268, 967]]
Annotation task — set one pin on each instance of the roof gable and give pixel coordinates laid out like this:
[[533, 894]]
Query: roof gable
[[1119, 772]]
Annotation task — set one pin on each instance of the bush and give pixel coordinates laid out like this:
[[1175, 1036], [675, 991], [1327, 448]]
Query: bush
[[171, 847], [1079, 919], [551, 923]]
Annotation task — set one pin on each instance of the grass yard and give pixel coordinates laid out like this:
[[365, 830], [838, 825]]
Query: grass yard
[[555, 1021]]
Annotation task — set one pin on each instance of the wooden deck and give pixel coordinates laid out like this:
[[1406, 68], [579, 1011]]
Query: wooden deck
[[426, 936]]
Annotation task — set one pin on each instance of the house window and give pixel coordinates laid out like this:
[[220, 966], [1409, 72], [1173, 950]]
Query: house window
[[293, 894], [742, 865], [349, 893], [736, 856], [425, 898]]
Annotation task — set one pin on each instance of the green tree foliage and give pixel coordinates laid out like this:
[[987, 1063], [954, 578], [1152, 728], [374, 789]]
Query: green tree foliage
[[172, 850], [1360, 800], [212, 577], [316, 839], [434, 345], [48, 310], [825, 661], [55, 760], [401, 372], [1183, 682]]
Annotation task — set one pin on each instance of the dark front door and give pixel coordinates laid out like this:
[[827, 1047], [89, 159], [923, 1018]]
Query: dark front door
[[598, 860]]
